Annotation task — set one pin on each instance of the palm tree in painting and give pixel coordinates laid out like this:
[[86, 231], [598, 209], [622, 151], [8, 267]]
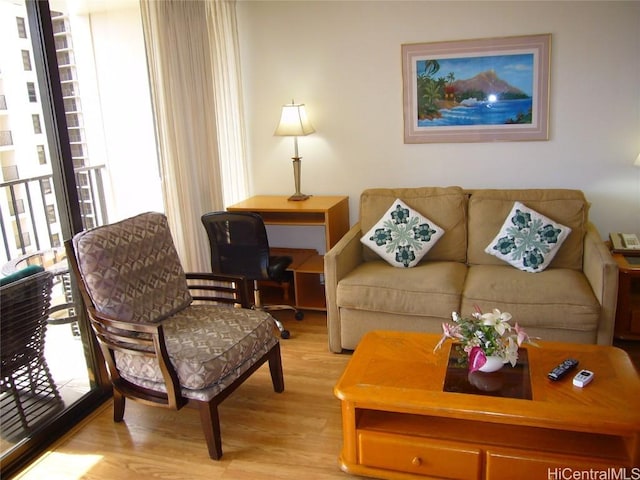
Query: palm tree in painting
[[427, 90], [449, 91]]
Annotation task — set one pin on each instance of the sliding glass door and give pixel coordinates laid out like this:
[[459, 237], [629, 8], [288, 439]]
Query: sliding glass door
[[76, 142]]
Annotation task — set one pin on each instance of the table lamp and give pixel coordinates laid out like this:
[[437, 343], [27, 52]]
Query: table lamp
[[294, 123]]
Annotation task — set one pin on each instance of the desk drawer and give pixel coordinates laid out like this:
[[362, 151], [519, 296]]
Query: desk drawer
[[418, 455]]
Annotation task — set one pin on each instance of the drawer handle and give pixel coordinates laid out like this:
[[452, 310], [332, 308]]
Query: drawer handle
[[416, 462]]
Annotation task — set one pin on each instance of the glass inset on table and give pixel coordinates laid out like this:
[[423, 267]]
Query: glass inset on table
[[509, 382]]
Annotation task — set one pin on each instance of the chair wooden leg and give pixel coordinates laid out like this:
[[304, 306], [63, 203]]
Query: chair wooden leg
[[275, 368], [211, 428], [118, 406]]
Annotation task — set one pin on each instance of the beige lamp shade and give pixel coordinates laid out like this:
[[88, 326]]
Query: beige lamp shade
[[637, 162], [294, 121]]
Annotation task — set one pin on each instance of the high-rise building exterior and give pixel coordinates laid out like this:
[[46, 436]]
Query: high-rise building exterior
[[28, 212], [23, 143]]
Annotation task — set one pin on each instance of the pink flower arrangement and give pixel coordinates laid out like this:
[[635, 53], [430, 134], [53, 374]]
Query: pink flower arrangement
[[485, 334]]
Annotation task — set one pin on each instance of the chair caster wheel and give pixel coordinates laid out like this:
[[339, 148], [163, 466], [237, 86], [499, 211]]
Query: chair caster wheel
[[299, 315], [284, 334]]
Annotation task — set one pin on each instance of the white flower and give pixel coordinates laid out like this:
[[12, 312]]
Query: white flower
[[511, 352], [499, 320]]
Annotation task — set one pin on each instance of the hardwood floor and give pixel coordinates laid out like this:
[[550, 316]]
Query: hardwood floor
[[265, 435], [293, 435]]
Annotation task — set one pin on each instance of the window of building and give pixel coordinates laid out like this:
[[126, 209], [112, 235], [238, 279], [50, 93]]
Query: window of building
[[75, 135], [6, 138], [31, 90], [73, 120], [64, 58], [22, 28], [45, 183], [70, 105], [10, 172], [84, 194], [68, 89], [55, 240], [51, 214], [77, 151], [42, 155], [61, 43], [66, 74], [26, 60], [19, 204], [24, 240], [37, 126], [82, 179], [89, 223]]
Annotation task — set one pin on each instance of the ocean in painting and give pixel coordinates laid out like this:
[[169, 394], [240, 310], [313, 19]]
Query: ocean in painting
[[480, 113]]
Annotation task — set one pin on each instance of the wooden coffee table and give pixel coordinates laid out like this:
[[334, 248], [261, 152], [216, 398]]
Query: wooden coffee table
[[399, 423]]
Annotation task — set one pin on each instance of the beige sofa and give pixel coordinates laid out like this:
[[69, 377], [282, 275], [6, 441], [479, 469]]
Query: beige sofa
[[573, 300]]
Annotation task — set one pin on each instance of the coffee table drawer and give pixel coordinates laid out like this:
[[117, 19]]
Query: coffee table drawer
[[418, 455], [501, 465]]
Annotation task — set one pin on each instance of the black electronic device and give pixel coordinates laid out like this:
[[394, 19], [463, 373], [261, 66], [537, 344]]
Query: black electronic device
[[562, 369]]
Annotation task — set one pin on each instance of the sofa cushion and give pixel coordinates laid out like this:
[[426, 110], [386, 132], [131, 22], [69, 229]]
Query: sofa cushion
[[527, 240], [402, 236], [430, 288], [489, 208], [557, 298], [446, 206]]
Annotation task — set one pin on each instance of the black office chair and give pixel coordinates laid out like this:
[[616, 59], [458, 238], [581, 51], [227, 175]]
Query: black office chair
[[239, 246]]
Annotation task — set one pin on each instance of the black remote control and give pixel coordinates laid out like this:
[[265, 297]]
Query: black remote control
[[562, 369]]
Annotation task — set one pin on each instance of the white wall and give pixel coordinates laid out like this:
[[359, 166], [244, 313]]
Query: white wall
[[342, 59]]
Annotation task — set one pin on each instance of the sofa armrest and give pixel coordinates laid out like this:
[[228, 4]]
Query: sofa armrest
[[602, 272], [338, 262]]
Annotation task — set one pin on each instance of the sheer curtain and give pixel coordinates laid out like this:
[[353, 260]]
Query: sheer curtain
[[196, 95]]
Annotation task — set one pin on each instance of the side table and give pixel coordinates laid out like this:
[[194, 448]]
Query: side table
[[628, 310]]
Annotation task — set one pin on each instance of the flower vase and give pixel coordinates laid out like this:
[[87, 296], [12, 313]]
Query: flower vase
[[493, 364]]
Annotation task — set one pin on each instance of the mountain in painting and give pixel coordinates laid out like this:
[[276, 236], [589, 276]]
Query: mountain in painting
[[487, 82]]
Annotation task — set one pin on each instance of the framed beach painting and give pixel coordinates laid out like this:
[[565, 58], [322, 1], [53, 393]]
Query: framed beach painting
[[486, 90]]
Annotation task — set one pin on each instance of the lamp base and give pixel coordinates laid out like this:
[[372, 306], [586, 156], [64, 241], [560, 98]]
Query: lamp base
[[297, 197]]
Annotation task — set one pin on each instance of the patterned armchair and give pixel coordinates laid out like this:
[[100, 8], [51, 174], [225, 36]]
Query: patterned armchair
[[168, 337]]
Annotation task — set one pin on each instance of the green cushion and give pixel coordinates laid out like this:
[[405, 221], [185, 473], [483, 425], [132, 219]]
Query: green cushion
[[20, 274]]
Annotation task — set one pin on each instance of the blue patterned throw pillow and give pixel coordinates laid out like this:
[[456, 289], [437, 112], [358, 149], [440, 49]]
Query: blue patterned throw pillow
[[402, 236], [528, 240]]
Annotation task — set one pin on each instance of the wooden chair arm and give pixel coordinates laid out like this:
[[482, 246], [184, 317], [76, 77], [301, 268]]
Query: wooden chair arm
[[219, 288]]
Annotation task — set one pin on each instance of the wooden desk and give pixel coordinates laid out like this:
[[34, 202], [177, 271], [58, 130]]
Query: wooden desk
[[330, 212], [398, 422], [628, 309]]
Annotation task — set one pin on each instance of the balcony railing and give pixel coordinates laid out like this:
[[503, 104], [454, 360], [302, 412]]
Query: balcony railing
[[25, 210]]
